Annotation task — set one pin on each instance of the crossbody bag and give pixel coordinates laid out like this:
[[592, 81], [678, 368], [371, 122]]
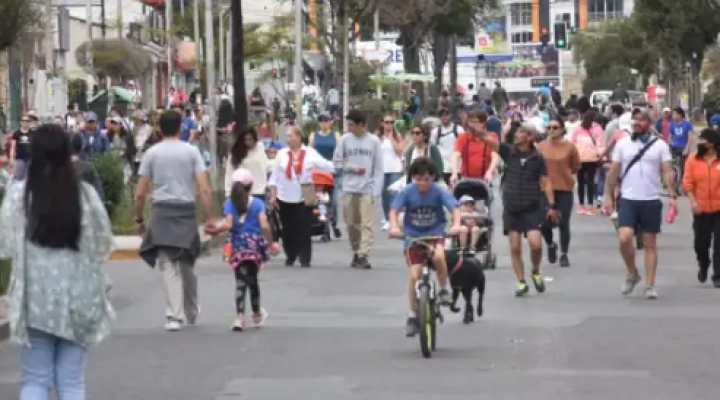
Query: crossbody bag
[[635, 159]]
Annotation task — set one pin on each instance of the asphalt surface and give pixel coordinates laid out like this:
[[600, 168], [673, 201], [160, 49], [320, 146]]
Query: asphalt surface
[[335, 333]]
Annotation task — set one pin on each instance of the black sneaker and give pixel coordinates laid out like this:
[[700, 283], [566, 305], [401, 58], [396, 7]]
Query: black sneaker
[[564, 260], [703, 274], [289, 262], [552, 253], [305, 265], [522, 289], [353, 263], [362, 263], [411, 327], [716, 281]]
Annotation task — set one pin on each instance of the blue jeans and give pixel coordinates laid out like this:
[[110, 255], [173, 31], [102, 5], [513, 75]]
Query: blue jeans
[[388, 197], [600, 187], [51, 362]]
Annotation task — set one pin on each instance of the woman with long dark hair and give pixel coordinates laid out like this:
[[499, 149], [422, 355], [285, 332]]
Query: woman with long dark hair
[[249, 153], [392, 146], [421, 147], [57, 232]]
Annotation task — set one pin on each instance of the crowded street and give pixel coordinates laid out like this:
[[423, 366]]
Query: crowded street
[[334, 333]]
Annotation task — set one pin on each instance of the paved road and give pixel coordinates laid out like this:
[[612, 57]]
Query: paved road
[[335, 333]]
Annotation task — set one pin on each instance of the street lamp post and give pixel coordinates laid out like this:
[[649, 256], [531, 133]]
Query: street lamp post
[[210, 81]]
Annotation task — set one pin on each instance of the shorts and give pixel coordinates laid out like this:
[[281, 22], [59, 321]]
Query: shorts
[[415, 255], [642, 215], [523, 222]]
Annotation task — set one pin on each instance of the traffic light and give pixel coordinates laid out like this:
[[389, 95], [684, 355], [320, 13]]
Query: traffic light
[[544, 36], [561, 35]]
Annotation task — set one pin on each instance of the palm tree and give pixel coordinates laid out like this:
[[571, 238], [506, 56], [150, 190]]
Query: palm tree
[[238, 64]]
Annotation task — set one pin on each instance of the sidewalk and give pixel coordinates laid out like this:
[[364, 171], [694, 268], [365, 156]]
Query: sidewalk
[[127, 246]]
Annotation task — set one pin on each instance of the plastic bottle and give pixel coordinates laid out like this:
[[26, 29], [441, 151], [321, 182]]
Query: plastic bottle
[[671, 214]]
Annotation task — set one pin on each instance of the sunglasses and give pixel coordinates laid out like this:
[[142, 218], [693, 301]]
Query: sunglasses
[[554, 127]]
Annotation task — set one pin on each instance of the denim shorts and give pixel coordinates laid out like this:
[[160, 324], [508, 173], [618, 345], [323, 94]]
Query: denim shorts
[[641, 215]]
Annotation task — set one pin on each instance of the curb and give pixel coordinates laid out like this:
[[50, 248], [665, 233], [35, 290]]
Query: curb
[[206, 245]]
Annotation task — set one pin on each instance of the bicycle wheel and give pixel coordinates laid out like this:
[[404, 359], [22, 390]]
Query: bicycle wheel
[[426, 321]]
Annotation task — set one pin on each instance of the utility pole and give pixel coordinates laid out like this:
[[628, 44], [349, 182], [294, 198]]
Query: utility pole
[[221, 41], [238, 64], [346, 63], [196, 37], [88, 50], [103, 24], [169, 44], [210, 81], [378, 72], [119, 19], [298, 62]]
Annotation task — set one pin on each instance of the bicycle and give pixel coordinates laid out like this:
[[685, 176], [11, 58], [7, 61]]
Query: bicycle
[[426, 294]]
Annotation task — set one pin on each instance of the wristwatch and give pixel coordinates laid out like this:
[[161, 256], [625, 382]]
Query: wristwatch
[[552, 206]]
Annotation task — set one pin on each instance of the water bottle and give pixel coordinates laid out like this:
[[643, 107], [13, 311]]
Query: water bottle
[[671, 214]]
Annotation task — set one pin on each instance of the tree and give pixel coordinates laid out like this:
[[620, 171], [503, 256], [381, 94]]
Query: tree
[[238, 64], [680, 31], [117, 59], [459, 21], [611, 51], [18, 17]]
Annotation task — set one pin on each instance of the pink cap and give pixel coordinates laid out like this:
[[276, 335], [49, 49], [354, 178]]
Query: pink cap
[[243, 176]]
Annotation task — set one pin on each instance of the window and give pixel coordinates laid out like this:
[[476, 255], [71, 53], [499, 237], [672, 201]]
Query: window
[[521, 37], [521, 14], [562, 17], [601, 10]]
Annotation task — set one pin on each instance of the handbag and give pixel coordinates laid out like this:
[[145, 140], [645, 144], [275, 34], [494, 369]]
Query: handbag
[[308, 194]]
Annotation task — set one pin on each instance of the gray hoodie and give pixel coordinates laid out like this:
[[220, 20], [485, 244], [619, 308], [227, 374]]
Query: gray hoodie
[[359, 152]]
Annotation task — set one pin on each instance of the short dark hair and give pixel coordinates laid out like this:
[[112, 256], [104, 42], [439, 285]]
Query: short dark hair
[[356, 116], [617, 109], [679, 111], [480, 115], [170, 122], [423, 166]]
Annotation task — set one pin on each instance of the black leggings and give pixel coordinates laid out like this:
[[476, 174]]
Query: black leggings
[[246, 277], [564, 201], [586, 182]]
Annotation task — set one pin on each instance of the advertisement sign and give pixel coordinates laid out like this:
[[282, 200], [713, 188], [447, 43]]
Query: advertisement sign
[[492, 37], [388, 53], [532, 65]]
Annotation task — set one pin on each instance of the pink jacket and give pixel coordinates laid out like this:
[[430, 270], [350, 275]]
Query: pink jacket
[[590, 145]]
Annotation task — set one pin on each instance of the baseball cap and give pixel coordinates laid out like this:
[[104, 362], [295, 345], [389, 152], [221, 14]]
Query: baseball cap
[[666, 109], [243, 176], [466, 199], [116, 120], [324, 117], [91, 116]]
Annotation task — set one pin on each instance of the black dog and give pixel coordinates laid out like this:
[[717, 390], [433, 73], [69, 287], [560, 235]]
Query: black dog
[[466, 275]]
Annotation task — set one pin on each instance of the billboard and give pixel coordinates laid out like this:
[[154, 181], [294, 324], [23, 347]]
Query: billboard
[[492, 38], [532, 65]]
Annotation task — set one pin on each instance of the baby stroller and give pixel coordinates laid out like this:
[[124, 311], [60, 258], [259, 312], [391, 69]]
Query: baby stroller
[[324, 213], [481, 192]]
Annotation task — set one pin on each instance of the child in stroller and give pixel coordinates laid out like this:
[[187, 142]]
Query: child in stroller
[[324, 213], [475, 197]]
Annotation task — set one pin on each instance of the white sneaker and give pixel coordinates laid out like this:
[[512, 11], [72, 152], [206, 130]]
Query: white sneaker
[[385, 226], [172, 325]]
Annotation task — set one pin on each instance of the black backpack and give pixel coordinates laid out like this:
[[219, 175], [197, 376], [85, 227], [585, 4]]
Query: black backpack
[[440, 135]]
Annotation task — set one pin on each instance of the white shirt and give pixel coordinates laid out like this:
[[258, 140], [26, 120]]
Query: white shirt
[[446, 144], [644, 180], [257, 163], [289, 190], [392, 163], [310, 90], [468, 97], [569, 128]]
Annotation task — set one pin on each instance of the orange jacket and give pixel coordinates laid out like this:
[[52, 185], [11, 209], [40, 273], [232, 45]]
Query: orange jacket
[[703, 180]]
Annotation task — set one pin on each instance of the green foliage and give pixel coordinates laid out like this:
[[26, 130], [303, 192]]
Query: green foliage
[[309, 127], [109, 167], [711, 100], [610, 51], [677, 29], [118, 59], [18, 16]]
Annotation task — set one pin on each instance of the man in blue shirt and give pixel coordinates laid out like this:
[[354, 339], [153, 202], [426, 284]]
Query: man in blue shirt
[[94, 141], [424, 203], [681, 134], [188, 128]]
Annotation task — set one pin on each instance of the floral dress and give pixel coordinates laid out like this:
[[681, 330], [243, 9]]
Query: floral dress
[[58, 291]]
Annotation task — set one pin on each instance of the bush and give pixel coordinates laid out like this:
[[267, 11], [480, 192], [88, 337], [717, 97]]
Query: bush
[[109, 167]]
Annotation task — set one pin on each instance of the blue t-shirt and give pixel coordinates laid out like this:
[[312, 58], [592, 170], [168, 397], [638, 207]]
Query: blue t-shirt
[[424, 212], [188, 124], [680, 133], [715, 121], [251, 224]]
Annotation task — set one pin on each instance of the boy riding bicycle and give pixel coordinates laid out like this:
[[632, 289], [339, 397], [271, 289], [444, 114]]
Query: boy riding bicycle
[[424, 203]]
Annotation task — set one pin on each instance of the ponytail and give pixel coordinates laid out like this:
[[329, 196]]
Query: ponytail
[[239, 195]]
